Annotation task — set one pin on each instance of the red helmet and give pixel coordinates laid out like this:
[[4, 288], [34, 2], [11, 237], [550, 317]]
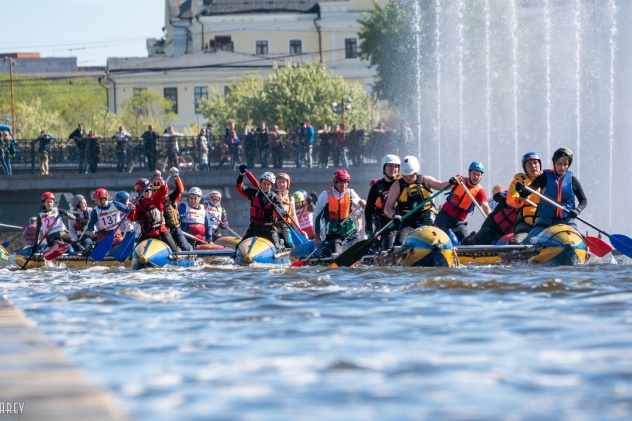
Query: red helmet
[[341, 175], [141, 185], [284, 176], [100, 194], [48, 195], [373, 182]]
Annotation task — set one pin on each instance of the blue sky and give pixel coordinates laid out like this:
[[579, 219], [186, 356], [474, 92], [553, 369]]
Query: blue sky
[[90, 30]]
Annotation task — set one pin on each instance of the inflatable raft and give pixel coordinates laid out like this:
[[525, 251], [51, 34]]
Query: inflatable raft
[[259, 250], [154, 253]]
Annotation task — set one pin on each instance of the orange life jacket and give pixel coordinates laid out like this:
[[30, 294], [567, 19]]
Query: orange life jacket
[[338, 209]]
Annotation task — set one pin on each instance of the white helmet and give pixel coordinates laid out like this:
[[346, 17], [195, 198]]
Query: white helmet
[[196, 191], [410, 166], [268, 176], [391, 159]]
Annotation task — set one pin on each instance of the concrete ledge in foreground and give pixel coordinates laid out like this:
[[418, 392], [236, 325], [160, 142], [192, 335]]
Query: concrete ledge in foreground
[[38, 383]]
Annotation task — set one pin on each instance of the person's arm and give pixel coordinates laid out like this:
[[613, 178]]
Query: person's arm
[[538, 183], [93, 220], [481, 199], [513, 197], [182, 209], [246, 192], [38, 228], [208, 227], [177, 192], [393, 195], [579, 193], [121, 207], [370, 208], [432, 183]]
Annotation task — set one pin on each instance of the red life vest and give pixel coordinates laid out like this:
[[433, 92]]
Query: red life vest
[[150, 218], [261, 213], [506, 219]]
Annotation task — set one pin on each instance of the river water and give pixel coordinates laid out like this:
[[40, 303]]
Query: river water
[[266, 343]]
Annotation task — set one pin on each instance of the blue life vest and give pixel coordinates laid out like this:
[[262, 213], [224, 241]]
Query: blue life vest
[[560, 191]]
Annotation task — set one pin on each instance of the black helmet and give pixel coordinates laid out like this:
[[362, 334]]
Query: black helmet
[[563, 152]]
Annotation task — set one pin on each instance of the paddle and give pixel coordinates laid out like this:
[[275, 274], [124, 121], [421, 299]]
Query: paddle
[[104, 246], [11, 226], [469, 193], [621, 242], [40, 241], [193, 237], [304, 262], [297, 238], [359, 249], [598, 247], [6, 243], [225, 226]]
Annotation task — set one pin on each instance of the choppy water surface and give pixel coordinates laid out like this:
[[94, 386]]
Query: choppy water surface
[[313, 344]]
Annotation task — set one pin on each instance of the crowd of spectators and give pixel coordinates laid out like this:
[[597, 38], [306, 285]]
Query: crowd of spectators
[[268, 147]]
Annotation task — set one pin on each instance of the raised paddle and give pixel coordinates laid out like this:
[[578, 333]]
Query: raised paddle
[[359, 249], [621, 242], [469, 193], [297, 238], [598, 247], [11, 226], [35, 248]]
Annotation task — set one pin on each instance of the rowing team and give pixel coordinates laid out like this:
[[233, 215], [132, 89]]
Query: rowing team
[[284, 219], [402, 188]]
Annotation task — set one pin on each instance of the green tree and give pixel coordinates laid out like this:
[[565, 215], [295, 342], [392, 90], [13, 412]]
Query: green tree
[[390, 41], [291, 94], [150, 107]]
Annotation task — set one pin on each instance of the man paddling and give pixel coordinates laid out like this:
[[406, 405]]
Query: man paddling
[[335, 206], [374, 215], [560, 185], [105, 216], [410, 190], [532, 167], [195, 220], [459, 205]]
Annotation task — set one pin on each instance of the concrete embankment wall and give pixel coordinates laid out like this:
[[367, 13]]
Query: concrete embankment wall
[[20, 195]]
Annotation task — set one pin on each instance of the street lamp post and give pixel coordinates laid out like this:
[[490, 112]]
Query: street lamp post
[[105, 116], [11, 63], [342, 108], [249, 98], [197, 115], [138, 110]]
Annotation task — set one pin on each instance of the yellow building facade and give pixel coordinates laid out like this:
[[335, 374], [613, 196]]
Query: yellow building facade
[[208, 42]]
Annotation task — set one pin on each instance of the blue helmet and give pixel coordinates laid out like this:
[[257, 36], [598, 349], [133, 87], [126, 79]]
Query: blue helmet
[[530, 156], [477, 165], [121, 196]]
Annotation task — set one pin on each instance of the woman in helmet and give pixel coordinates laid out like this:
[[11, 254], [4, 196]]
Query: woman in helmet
[[149, 212], [263, 202], [106, 217], [459, 205], [217, 213], [336, 206], [50, 224], [195, 220], [560, 185], [405, 194], [81, 212], [378, 193], [305, 213], [532, 167], [282, 184]]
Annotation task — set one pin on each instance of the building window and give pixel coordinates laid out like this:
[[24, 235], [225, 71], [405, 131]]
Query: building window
[[262, 48], [138, 91], [351, 48], [296, 46], [199, 92], [172, 95]]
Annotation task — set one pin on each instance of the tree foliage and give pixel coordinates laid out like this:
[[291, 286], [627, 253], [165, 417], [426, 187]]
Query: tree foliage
[[291, 94], [391, 43]]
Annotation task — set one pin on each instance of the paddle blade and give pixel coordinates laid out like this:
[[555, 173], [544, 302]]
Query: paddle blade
[[353, 253], [597, 246], [55, 251], [298, 264], [125, 248], [297, 237], [102, 249], [622, 243]]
